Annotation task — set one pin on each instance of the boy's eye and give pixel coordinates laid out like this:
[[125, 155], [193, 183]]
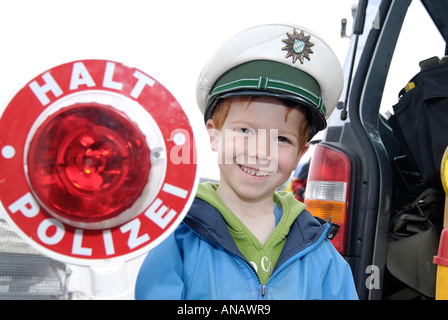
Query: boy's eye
[[283, 139], [244, 131]]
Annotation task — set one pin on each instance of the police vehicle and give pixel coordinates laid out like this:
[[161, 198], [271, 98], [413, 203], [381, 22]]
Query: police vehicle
[[376, 170]]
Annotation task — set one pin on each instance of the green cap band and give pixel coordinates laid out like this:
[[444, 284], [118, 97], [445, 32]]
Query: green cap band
[[270, 77]]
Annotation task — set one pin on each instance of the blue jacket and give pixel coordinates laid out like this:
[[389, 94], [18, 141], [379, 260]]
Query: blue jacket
[[200, 260]]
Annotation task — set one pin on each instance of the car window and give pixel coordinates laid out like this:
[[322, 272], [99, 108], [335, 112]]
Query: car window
[[419, 40]]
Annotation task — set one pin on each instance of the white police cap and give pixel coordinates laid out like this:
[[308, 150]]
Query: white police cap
[[284, 61]]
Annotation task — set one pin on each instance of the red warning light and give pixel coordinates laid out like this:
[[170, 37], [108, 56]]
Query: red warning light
[[88, 162]]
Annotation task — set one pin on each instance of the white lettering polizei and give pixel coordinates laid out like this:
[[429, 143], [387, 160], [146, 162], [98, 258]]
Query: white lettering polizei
[[175, 191], [108, 242], [158, 216], [77, 247], [27, 205], [134, 239], [56, 237]]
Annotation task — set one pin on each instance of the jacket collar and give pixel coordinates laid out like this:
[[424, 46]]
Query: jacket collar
[[208, 223]]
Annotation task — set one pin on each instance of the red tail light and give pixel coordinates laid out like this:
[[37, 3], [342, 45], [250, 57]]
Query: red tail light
[[88, 162], [328, 189]]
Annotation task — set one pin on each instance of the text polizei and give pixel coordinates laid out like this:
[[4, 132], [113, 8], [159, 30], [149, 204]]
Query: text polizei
[[157, 212]]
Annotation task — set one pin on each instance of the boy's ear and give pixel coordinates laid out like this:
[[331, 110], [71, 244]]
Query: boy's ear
[[302, 152], [213, 133]]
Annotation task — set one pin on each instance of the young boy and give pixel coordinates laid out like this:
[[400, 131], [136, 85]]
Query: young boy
[[264, 94]]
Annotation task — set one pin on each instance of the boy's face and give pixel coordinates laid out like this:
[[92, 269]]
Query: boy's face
[[258, 146]]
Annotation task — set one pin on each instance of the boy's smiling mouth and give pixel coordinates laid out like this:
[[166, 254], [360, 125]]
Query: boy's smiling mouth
[[254, 172]]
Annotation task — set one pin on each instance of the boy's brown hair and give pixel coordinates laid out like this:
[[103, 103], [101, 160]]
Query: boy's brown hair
[[222, 110]]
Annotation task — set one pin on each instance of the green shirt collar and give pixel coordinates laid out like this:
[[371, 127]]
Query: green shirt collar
[[262, 257]]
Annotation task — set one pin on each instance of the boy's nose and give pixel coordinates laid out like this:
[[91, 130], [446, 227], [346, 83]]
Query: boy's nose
[[263, 147]]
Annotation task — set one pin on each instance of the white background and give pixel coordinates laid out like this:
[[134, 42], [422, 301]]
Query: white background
[[172, 41], [169, 40]]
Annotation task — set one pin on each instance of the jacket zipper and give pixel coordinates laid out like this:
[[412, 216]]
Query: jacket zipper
[[300, 254], [263, 291], [261, 287]]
